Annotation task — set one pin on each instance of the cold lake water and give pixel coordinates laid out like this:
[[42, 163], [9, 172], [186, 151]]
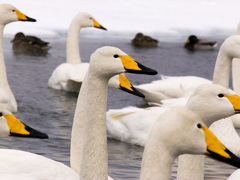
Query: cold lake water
[[52, 111]]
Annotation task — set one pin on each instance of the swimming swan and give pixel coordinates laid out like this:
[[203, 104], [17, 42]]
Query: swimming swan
[[132, 124], [10, 14], [89, 137], [69, 76]]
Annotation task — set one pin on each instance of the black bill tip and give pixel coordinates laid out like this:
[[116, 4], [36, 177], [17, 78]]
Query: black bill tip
[[134, 91], [102, 27], [144, 70], [29, 19], [33, 133], [233, 160]]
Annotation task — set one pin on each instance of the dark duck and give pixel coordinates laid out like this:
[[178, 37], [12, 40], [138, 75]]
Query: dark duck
[[194, 43], [141, 40], [30, 45]]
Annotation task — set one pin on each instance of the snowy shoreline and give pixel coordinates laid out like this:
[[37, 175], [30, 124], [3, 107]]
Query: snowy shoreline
[[168, 19]]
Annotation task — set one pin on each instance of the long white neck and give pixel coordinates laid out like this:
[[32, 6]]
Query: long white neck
[[236, 74], [222, 69], [89, 138], [11, 104], [73, 51], [192, 166], [3, 74], [238, 29], [157, 161]]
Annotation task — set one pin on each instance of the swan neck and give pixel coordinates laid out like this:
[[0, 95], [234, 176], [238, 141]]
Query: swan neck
[[157, 162], [89, 137], [3, 73], [222, 69], [236, 75], [73, 51], [190, 167]]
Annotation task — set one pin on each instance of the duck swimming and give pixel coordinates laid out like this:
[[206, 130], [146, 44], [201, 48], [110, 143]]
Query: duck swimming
[[194, 43], [31, 45], [141, 40]]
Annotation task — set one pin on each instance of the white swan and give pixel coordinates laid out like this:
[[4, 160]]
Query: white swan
[[10, 14], [177, 131], [132, 124], [89, 137], [69, 76]]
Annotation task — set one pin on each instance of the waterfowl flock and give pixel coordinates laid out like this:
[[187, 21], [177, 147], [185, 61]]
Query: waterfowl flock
[[192, 117]]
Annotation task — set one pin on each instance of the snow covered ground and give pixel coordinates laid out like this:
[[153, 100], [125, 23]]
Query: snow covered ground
[[168, 17]]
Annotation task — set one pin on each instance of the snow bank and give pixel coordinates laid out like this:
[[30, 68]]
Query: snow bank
[[170, 17]]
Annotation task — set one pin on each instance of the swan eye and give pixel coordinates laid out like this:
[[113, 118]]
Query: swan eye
[[115, 56], [199, 125], [221, 95], [13, 10], [1, 114], [91, 18]]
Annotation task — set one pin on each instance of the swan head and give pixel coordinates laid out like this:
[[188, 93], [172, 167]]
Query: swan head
[[214, 102], [121, 82], [109, 61], [181, 131], [88, 20], [10, 13]]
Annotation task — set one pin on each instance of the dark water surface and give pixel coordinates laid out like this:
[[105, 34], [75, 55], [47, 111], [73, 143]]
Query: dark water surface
[[52, 111]]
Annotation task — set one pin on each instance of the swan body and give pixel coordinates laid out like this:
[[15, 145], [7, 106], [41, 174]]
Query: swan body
[[170, 87], [69, 76], [132, 124], [88, 158], [34, 167]]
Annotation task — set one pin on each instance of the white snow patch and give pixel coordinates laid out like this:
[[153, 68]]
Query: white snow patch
[[171, 17]]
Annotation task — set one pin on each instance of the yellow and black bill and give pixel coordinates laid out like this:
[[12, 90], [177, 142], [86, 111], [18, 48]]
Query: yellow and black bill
[[96, 24], [218, 151], [19, 129], [235, 101], [23, 17], [132, 66], [126, 86]]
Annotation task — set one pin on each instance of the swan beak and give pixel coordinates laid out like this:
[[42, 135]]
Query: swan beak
[[235, 101], [132, 66], [18, 128], [218, 151], [23, 17], [125, 85], [96, 24]]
